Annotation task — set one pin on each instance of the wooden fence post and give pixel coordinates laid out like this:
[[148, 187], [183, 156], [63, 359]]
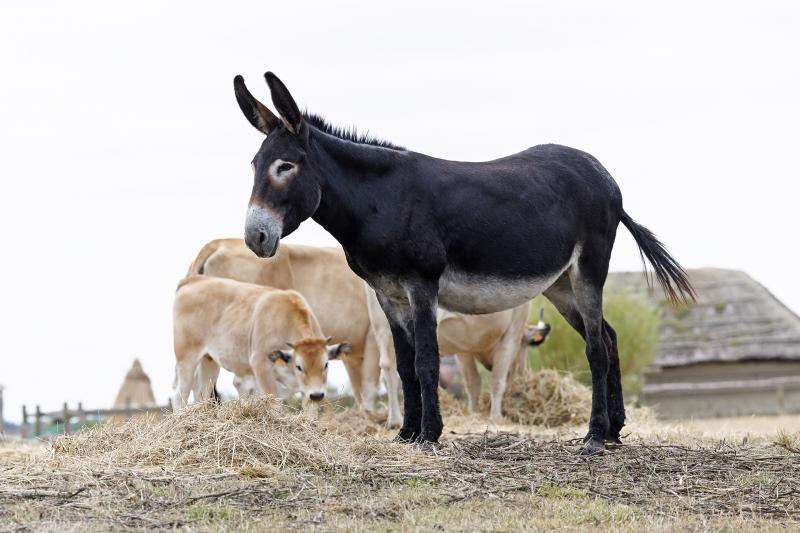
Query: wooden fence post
[[81, 415], [38, 423], [24, 428], [65, 416]]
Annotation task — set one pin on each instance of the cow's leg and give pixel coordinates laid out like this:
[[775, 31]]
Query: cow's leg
[[423, 297], [353, 363], [185, 368], [370, 373], [472, 380], [402, 327], [382, 336], [520, 364], [206, 379], [264, 373], [504, 356], [391, 380]]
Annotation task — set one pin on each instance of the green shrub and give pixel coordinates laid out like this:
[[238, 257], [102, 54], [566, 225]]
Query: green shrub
[[635, 322]]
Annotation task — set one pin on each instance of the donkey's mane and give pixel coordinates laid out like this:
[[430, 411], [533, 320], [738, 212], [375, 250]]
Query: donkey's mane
[[347, 134]]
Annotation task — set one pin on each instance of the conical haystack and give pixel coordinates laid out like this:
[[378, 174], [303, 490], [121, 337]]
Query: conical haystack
[[136, 390]]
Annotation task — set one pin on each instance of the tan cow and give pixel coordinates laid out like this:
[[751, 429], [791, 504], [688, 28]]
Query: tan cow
[[321, 275], [247, 329], [499, 341]]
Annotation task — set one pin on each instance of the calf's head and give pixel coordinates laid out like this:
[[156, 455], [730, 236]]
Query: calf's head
[[286, 188], [310, 357]]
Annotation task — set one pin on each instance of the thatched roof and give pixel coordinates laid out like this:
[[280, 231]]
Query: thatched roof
[[735, 319], [136, 389]]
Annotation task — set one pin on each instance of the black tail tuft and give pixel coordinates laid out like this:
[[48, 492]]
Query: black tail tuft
[[671, 275]]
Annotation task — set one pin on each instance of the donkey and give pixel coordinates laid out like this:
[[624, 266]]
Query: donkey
[[472, 237]]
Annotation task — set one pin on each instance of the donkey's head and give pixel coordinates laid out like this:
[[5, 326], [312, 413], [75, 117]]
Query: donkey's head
[[286, 190]]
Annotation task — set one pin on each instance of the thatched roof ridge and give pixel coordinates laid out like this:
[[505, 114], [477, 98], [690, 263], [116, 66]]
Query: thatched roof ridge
[[735, 319], [135, 390]]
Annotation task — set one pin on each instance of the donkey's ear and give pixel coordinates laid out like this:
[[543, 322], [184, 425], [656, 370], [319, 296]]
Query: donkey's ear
[[257, 113], [284, 103]]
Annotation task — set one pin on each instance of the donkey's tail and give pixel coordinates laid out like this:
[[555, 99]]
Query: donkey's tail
[[671, 275]]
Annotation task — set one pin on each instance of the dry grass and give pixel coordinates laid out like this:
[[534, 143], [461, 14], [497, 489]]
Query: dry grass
[[253, 465], [546, 398]]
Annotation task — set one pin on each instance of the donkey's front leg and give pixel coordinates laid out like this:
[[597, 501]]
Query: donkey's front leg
[[402, 326], [423, 297]]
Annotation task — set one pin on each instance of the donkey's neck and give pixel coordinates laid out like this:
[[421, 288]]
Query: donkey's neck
[[351, 175]]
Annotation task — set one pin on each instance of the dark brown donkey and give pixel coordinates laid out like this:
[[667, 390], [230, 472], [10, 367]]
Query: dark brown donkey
[[471, 237]]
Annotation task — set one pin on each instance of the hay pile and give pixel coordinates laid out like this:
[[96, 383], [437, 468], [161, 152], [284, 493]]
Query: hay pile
[[255, 436], [353, 422], [545, 398], [450, 405]]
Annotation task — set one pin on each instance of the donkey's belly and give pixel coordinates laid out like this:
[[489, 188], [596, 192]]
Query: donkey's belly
[[475, 294]]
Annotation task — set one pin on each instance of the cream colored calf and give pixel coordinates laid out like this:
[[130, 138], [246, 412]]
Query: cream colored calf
[[248, 330], [499, 341], [321, 275]]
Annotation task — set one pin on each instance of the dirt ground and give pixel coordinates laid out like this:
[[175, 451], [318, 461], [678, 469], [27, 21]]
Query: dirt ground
[[251, 466]]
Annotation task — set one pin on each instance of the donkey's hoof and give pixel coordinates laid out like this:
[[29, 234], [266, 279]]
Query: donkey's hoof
[[406, 436], [428, 447], [593, 446]]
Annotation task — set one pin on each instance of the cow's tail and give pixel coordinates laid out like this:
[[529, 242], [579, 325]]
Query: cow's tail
[[671, 275], [200, 261]]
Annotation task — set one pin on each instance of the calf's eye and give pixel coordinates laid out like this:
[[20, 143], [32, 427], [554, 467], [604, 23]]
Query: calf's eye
[[299, 368]]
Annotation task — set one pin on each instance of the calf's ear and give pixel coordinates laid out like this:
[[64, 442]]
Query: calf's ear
[[279, 355], [335, 350]]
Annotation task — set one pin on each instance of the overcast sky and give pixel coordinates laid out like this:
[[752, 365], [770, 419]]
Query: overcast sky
[[122, 149]]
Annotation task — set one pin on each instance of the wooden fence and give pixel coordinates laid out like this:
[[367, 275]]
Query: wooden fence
[[33, 423]]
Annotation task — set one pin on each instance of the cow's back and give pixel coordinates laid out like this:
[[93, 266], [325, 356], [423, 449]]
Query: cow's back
[[321, 275], [216, 315], [332, 290]]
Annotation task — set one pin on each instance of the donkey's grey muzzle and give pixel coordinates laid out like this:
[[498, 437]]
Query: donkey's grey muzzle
[[262, 231]]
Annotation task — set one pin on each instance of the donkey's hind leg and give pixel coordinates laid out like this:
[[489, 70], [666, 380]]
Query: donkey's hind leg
[[580, 303], [616, 404]]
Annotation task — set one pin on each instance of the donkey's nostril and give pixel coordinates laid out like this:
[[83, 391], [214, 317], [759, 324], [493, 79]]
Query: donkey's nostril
[[262, 236]]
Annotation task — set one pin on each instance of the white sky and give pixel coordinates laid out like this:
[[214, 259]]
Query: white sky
[[122, 149]]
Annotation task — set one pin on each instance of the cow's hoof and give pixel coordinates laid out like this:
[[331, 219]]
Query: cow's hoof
[[593, 446], [393, 424]]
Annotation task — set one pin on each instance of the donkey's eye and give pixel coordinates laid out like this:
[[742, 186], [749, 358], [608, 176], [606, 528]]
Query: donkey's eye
[[285, 167]]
